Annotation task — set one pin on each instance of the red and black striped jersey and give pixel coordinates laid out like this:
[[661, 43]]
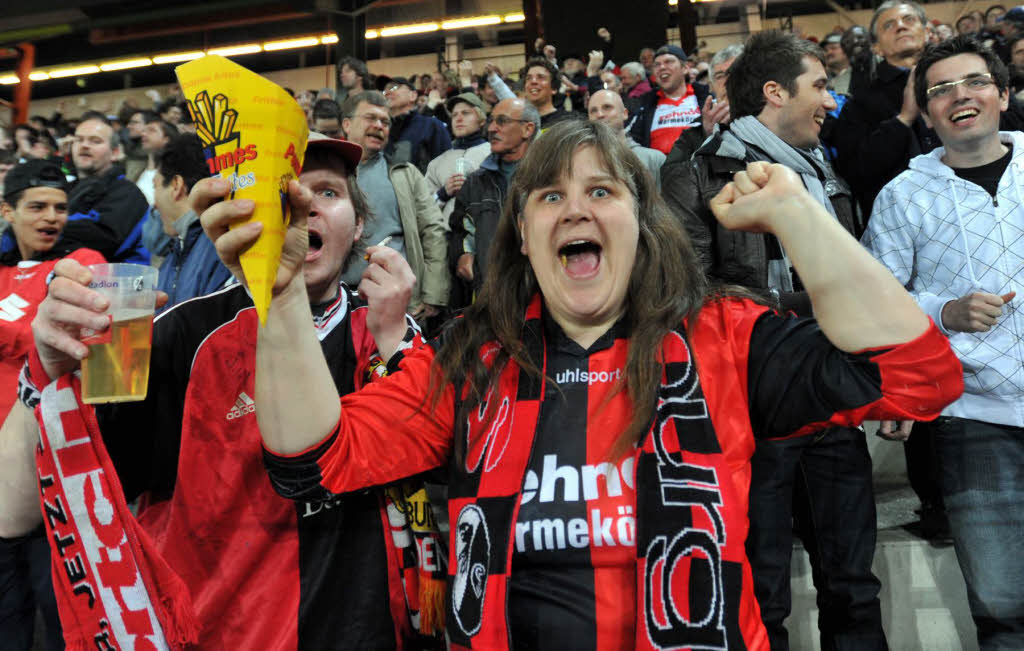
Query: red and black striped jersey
[[263, 572], [676, 576]]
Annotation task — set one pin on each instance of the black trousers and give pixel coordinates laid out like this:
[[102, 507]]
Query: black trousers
[[25, 584], [838, 528]]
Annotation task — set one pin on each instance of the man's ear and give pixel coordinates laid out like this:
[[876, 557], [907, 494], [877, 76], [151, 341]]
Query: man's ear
[[345, 123], [1004, 100], [7, 210], [178, 186], [773, 93]]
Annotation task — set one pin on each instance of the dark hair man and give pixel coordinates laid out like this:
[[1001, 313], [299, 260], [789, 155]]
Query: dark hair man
[[135, 159], [105, 208], [404, 208], [327, 118], [354, 78], [942, 228], [239, 547], [513, 125], [35, 205], [778, 98], [967, 25], [540, 84], [414, 138], [191, 267], [671, 109]]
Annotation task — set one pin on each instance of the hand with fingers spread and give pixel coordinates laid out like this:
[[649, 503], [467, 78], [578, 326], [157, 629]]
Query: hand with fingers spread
[[386, 287], [218, 216], [891, 430], [69, 307], [975, 312], [759, 196]]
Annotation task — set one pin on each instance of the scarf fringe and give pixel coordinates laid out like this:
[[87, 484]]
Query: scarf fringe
[[432, 595]]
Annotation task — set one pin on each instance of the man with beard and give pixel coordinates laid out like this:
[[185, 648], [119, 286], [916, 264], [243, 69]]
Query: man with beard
[[513, 125], [448, 172]]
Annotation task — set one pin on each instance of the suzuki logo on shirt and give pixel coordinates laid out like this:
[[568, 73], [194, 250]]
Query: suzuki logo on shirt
[[599, 528], [12, 308]]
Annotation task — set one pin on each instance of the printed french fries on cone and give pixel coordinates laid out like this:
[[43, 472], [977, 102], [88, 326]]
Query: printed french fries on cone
[[254, 135]]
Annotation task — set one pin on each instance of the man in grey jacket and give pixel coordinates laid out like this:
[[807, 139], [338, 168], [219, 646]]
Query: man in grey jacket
[[405, 211], [606, 106]]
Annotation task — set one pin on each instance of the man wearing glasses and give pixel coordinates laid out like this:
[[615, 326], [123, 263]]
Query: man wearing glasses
[[512, 126], [405, 212], [950, 228], [414, 138]]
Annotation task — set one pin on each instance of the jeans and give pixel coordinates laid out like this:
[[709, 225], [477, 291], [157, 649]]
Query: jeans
[[982, 475], [839, 535], [25, 584]]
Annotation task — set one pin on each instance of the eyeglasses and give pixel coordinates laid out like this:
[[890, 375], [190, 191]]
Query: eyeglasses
[[374, 119], [973, 84], [393, 87], [503, 120]]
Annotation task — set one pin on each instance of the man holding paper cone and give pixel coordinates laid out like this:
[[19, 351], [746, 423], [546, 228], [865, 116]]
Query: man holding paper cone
[[262, 572]]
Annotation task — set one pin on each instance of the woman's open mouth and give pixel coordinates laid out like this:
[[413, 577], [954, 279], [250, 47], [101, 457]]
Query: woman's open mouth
[[580, 258]]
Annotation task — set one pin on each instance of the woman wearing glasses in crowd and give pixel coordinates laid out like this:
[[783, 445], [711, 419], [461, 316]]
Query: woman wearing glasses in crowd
[[596, 406]]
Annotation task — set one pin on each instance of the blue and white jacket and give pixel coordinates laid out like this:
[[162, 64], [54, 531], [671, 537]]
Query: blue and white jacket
[[944, 237]]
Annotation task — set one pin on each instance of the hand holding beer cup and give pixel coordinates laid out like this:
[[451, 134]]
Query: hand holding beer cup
[[71, 310]]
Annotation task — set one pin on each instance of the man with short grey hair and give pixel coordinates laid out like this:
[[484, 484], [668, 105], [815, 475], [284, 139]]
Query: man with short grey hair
[[513, 125]]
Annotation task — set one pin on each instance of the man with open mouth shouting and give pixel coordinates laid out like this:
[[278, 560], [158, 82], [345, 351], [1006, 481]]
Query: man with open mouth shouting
[[263, 572]]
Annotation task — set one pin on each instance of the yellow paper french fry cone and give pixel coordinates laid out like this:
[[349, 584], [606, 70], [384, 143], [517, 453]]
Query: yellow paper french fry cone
[[254, 135]]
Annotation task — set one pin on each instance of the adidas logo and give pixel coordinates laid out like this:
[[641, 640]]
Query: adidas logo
[[243, 405]]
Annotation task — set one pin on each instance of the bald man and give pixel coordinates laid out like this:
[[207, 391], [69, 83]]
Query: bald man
[[606, 106]]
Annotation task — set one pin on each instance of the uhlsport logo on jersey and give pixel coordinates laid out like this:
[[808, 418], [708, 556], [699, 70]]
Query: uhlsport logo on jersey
[[473, 554], [243, 405]]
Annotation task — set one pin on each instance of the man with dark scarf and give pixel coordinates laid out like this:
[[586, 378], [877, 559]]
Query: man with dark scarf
[[778, 99]]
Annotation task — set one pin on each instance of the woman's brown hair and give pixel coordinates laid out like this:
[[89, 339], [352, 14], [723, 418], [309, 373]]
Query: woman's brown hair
[[666, 285]]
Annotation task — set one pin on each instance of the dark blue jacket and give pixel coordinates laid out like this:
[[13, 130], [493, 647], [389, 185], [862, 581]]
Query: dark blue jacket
[[105, 214], [417, 139], [191, 268]]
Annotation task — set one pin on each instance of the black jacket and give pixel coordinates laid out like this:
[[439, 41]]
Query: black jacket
[[640, 127], [105, 214], [735, 257], [477, 211]]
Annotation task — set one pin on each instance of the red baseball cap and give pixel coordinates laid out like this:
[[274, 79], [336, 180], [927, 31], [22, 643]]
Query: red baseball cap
[[350, 152]]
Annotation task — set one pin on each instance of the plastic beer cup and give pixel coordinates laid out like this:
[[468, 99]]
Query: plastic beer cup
[[117, 368], [462, 166]]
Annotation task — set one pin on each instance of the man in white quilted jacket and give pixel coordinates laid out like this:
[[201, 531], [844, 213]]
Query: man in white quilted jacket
[[951, 227]]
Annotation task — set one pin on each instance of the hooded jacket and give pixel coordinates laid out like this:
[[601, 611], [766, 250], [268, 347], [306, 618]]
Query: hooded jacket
[[944, 237], [192, 267]]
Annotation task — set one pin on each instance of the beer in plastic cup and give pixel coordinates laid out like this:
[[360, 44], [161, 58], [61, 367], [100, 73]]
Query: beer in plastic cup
[[462, 166], [117, 368]]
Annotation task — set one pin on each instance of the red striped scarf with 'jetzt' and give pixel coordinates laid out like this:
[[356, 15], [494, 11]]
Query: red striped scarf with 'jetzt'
[[113, 589]]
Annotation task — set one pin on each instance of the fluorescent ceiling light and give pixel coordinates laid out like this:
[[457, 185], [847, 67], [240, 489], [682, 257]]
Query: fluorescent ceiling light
[[371, 33], [125, 64], [178, 57], [329, 39], [38, 75], [514, 18], [271, 46], [402, 30], [7, 80], [73, 72], [479, 21], [236, 50]]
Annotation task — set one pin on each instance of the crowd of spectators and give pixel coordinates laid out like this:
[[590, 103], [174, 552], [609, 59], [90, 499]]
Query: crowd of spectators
[[905, 130]]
